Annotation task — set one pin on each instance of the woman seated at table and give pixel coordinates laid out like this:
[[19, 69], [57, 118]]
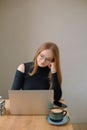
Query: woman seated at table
[[42, 73]]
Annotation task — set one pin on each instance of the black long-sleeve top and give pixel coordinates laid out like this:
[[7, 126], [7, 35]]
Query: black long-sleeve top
[[39, 81]]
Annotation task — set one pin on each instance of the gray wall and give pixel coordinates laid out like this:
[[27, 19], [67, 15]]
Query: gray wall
[[25, 24]]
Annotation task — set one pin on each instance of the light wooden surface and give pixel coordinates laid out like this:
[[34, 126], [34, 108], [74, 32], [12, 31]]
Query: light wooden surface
[[18, 122], [80, 126]]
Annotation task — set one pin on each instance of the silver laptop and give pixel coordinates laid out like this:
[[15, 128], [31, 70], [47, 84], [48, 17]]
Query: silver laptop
[[31, 102]]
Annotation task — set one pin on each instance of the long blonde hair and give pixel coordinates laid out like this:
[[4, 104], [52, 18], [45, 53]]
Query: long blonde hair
[[52, 46]]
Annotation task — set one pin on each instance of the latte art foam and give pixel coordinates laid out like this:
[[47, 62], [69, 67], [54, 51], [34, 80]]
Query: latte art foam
[[55, 110]]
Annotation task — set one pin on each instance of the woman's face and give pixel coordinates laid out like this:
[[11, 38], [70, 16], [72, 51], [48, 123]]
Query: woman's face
[[45, 58]]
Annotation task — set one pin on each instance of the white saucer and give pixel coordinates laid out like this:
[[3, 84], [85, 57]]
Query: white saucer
[[63, 122]]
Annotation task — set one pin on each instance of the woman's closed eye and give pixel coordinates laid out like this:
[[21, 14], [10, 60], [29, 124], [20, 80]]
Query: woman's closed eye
[[46, 59]]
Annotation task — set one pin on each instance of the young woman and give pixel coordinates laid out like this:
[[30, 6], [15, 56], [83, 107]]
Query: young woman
[[43, 73]]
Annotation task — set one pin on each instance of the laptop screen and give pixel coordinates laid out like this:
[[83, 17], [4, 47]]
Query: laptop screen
[[30, 101]]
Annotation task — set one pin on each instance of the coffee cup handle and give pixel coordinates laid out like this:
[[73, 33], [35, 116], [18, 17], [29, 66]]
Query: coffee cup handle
[[64, 112]]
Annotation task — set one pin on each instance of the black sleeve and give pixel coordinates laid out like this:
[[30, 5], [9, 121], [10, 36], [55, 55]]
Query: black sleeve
[[56, 86], [18, 81]]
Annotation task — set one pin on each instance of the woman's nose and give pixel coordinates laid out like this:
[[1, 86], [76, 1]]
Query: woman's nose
[[43, 60]]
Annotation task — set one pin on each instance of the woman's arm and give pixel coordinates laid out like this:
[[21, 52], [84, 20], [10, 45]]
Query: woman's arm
[[55, 82], [56, 86], [19, 78]]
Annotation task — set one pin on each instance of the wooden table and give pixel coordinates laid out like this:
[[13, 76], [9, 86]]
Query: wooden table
[[21, 122]]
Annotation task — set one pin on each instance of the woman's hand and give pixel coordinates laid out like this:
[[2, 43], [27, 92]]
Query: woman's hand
[[52, 67]]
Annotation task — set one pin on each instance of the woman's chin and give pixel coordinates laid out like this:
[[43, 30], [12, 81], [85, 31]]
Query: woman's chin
[[42, 65]]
